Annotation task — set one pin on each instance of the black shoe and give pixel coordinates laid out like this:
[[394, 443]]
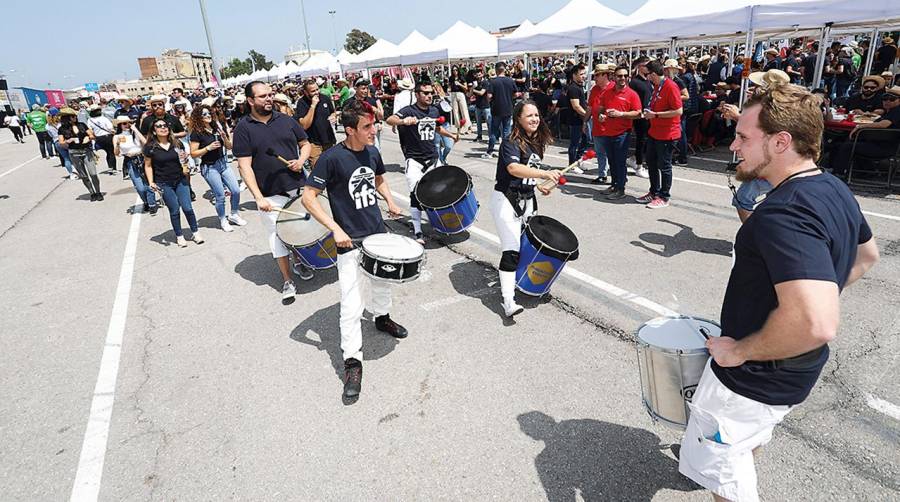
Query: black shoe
[[385, 324], [154, 209], [681, 162], [99, 196], [352, 378], [94, 197], [616, 195], [193, 196], [146, 207], [602, 180]]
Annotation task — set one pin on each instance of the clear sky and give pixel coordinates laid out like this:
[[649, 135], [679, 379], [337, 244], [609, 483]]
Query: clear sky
[[65, 43]]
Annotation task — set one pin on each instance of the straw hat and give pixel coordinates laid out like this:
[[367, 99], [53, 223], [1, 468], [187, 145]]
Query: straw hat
[[93, 108], [282, 98], [601, 68], [887, 40], [405, 84], [705, 57], [208, 101], [240, 99], [721, 85], [772, 51], [692, 60], [874, 78], [289, 85], [68, 111], [157, 97], [121, 119], [766, 78], [895, 90], [671, 63]]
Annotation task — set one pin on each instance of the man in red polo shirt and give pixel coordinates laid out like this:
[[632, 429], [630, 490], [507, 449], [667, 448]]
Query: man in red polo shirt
[[664, 114], [601, 85], [618, 106]]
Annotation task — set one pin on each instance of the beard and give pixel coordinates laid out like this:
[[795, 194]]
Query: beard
[[261, 110], [754, 172]]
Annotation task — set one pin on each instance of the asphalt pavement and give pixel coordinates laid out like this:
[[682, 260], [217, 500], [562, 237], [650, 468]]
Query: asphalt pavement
[[210, 389]]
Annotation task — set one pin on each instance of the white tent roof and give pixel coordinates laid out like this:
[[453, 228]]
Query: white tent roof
[[416, 48], [568, 27], [319, 64], [381, 53], [524, 29], [463, 41]]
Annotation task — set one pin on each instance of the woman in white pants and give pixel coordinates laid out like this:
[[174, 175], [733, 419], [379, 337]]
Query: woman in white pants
[[459, 101], [513, 200]]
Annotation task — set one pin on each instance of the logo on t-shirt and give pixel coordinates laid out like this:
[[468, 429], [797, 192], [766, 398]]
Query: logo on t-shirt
[[534, 162], [362, 187], [426, 129]]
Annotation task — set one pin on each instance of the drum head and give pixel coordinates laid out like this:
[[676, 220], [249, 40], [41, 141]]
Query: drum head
[[299, 231], [442, 187], [677, 333], [552, 234], [392, 247]]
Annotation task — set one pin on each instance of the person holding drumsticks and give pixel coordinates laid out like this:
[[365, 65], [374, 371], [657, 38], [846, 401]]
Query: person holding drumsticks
[[353, 172], [513, 200], [261, 140], [805, 243]]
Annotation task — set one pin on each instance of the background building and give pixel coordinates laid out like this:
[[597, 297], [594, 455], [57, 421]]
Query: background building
[[176, 63]]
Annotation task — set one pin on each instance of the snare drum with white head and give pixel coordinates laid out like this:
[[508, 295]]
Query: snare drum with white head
[[391, 258], [309, 241], [671, 357]]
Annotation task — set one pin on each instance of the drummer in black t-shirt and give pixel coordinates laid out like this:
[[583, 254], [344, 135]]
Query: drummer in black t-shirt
[[417, 125], [806, 242], [353, 172], [272, 183], [317, 117], [513, 201]]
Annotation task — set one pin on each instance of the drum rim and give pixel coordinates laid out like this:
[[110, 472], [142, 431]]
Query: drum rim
[[362, 249], [465, 194], [542, 244], [666, 350], [311, 217]]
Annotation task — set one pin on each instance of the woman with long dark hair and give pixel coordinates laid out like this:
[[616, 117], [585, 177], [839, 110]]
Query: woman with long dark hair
[[513, 200], [77, 137], [128, 143], [209, 138], [166, 168]]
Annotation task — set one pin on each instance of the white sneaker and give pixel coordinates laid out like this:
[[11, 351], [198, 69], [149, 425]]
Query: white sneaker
[[577, 169], [288, 292], [642, 172], [236, 219], [225, 225], [512, 308], [180, 240], [630, 162], [241, 185], [197, 238]]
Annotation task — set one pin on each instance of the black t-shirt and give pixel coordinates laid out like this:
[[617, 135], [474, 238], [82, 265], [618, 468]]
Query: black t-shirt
[[483, 101], [67, 131], [457, 84], [884, 57], [205, 138], [511, 153], [856, 102], [849, 72], [417, 141], [166, 164], [520, 75], [349, 178], [713, 73], [282, 134], [809, 228], [774, 64], [894, 116], [175, 126], [576, 91], [320, 131], [795, 65], [503, 90], [643, 88], [543, 102], [809, 67]]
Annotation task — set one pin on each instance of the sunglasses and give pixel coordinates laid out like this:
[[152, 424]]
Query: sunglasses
[[156, 105], [870, 87], [427, 93], [205, 114], [161, 126], [621, 76]]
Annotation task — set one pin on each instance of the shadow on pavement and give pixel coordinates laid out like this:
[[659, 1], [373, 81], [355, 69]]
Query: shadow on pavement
[[262, 270], [479, 281], [600, 460], [684, 240]]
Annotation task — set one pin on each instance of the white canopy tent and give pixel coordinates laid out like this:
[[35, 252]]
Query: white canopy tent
[[319, 64], [462, 41], [569, 27], [524, 29], [381, 53], [416, 48]]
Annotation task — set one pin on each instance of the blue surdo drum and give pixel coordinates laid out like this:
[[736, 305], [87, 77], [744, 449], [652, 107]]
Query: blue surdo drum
[[309, 241], [545, 247], [446, 195]]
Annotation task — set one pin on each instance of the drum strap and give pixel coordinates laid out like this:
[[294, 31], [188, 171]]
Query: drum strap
[[519, 200], [426, 163]]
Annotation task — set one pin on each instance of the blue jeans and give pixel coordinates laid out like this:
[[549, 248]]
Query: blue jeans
[[444, 145], [134, 166], [219, 176], [575, 136], [683, 142], [63, 156], [616, 148], [482, 114], [177, 195], [659, 163], [500, 127], [600, 150]]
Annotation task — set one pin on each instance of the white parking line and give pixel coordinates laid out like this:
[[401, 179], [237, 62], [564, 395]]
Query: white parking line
[[20, 166], [576, 274], [886, 407], [93, 449]]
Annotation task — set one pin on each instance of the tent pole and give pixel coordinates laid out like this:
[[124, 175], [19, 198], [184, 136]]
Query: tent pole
[[871, 55], [820, 58], [733, 55], [744, 82]]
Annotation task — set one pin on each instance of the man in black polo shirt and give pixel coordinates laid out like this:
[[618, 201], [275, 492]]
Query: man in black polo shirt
[[416, 126], [271, 182], [805, 242], [502, 93], [316, 115], [352, 172]]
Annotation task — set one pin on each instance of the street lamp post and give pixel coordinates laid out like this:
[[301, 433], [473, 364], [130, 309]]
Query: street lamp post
[[333, 31], [212, 52], [305, 30]]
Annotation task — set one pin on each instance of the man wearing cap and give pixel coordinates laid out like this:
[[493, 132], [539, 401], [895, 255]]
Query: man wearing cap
[[773, 60], [316, 116], [157, 111], [616, 110], [601, 85], [364, 94], [869, 98], [872, 145], [290, 89], [259, 140], [885, 55], [37, 119], [664, 113]]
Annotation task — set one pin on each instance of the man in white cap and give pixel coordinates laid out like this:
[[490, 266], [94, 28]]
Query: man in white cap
[[773, 61]]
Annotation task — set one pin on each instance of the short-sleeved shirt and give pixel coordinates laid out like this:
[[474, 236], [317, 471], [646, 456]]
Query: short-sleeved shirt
[[625, 100], [166, 164], [205, 138], [576, 92], [320, 131], [774, 64], [37, 119], [747, 195], [593, 104], [349, 178], [665, 97], [175, 126], [483, 101], [68, 132], [543, 102], [511, 152], [795, 65], [892, 115], [856, 102], [417, 141], [643, 88], [282, 134], [809, 228], [503, 90]]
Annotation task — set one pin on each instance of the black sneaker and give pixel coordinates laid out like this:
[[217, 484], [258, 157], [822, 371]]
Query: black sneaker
[[602, 180], [154, 209], [681, 162], [303, 272], [352, 378], [420, 238], [146, 207], [193, 196], [616, 194], [385, 324], [93, 197], [99, 196], [610, 189]]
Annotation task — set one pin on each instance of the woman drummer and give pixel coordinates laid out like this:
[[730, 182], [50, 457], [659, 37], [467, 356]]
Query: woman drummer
[[513, 200]]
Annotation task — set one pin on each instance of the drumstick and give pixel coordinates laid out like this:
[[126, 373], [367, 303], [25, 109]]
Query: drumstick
[[279, 157], [588, 155], [288, 211]]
